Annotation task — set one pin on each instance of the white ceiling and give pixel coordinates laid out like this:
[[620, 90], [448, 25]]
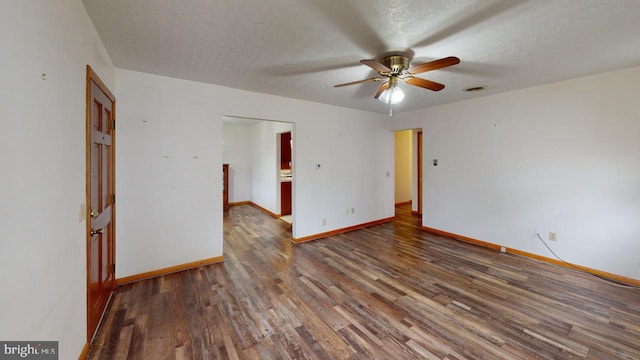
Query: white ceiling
[[301, 48]]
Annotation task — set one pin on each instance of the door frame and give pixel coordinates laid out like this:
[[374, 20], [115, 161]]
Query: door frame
[[419, 170], [93, 77]]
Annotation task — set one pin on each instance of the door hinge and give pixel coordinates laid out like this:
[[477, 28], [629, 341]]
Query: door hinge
[[113, 124], [113, 198], [113, 268]]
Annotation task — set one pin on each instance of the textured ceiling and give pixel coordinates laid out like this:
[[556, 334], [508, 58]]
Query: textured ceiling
[[301, 48]]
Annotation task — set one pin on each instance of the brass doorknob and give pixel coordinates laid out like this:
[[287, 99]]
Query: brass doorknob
[[95, 232], [94, 213]]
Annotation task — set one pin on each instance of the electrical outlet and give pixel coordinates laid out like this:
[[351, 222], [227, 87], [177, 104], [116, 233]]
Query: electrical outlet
[[553, 236], [347, 211], [324, 222], [353, 210]]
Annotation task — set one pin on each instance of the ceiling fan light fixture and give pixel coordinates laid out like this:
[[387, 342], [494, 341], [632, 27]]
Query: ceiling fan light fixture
[[396, 68], [393, 95]]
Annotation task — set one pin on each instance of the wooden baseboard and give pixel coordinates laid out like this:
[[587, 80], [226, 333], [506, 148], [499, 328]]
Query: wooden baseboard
[[273, 215], [461, 238], [168, 270], [614, 277], [85, 352], [492, 246], [240, 203], [403, 203], [415, 213], [341, 231]]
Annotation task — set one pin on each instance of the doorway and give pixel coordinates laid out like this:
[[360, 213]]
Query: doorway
[[100, 189], [408, 169], [253, 150], [286, 176]]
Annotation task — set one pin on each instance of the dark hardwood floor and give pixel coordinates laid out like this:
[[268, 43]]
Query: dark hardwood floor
[[387, 292]]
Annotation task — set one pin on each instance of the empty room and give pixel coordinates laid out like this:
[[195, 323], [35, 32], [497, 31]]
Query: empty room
[[315, 179]]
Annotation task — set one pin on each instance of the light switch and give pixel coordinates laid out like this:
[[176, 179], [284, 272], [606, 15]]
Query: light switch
[[82, 214]]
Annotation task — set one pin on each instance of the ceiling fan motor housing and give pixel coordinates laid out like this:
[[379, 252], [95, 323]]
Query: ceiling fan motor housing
[[396, 63]]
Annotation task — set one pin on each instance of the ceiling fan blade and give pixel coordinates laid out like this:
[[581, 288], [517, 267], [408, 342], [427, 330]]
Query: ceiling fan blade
[[375, 65], [423, 83], [359, 82], [434, 65], [382, 88]]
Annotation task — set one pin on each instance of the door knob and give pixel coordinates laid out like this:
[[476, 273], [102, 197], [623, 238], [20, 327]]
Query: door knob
[[95, 232], [94, 214]]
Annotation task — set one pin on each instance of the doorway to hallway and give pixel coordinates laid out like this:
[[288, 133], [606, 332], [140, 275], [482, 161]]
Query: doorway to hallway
[[408, 169]]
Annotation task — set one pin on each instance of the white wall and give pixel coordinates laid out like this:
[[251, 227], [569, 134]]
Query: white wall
[[169, 166], [355, 155], [403, 165], [42, 186], [237, 153], [560, 158], [169, 173]]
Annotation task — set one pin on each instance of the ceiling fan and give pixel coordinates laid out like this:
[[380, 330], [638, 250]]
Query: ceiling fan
[[396, 68]]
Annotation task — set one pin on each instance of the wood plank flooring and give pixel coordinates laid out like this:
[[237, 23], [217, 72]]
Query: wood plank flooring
[[387, 292]]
